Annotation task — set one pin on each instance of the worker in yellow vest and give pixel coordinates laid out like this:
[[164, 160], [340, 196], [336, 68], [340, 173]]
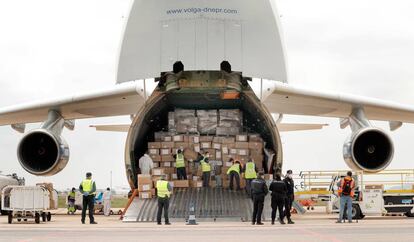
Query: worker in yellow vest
[[71, 201], [163, 193], [180, 165], [250, 173], [234, 173], [88, 189], [206, 169]]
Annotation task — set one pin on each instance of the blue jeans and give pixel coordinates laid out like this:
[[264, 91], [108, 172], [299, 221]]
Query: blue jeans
[[348, 201]]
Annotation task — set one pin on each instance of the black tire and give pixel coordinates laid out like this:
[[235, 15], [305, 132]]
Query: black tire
[[356, 212], [409, 214], [19, 220], [37, 218], [3, 212], [10, 218], [44, 217], [25, 219], [49, 217]]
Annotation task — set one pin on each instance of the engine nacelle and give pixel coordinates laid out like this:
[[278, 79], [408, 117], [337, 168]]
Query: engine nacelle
[[43, 153], [369, 149]]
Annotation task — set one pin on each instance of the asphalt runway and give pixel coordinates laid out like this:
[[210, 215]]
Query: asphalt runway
[[309, 227]]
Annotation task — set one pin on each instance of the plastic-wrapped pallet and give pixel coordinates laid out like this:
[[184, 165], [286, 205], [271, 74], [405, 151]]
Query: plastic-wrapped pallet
[[185, 121], [171, 121], [207, 121], [230, 118]]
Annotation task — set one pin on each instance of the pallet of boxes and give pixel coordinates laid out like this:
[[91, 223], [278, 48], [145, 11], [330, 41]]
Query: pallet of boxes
[[220, 132]]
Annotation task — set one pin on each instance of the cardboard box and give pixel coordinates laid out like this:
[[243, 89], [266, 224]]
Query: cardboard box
[[170, 170], [178, 138], [154, 151], [167, 139], [190, 154], [228, 164], [167, 158], [228, 140], [154, 145], [224, 170], [233, 151], [243, 152], [156, 164], [217, 139], [166, 164], [197, 148], [144, 179], [165, 151], [145, 187], [194, 139], [157, 178], [174, 176], [242, 145], [181, 145], [196, 178], [218, 155], [205, 145], [256, 152], [155, 158], [241, 138], [255, 138], [167, 145], [217, 146], [145, 195], [256, 145], [257, 158], [206, 138], [158, 171], [181, 184]]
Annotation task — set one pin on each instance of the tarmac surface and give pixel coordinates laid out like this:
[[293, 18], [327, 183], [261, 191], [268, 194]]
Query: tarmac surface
[[308, 227]]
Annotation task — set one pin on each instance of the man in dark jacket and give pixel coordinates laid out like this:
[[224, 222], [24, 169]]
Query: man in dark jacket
[[259, 192], [278, 189], [290, 195]]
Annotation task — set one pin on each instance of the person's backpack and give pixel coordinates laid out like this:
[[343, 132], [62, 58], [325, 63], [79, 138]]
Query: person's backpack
[[347, 187]]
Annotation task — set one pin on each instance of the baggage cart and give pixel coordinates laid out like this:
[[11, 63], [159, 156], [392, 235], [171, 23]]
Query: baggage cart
[[27, 202]]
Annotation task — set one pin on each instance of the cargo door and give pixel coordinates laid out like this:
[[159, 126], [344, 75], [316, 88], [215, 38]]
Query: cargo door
[[201, 44]]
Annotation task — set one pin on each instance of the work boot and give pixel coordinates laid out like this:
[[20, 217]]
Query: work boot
[[260, 223], [83, 222], [281, 221], [273, 222], [338, 221], [253, 222], [167, 223], [159, 223], [290, 221], [94, 222]]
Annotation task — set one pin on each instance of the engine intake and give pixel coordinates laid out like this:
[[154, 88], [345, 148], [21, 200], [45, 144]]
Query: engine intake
[[43, 153], [369, 149]]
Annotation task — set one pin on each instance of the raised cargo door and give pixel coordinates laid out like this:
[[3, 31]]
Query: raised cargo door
[[201, 44]]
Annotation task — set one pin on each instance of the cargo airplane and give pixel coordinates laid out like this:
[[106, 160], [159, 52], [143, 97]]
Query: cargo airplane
[[203, 54]]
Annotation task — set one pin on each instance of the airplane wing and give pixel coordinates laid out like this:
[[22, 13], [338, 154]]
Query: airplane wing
[[111, 127], [289, 99], [288, 127], [283, 127], [123, 99]]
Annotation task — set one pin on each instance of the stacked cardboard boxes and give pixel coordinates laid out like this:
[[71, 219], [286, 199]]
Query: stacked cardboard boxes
[[218, 132]]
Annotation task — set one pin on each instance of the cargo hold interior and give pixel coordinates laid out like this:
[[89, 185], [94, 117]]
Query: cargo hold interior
[[255, 119]]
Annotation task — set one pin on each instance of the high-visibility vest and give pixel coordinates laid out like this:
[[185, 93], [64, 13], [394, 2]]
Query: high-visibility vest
[[162, 189], [179, 161], [87, 186], [72, 195], [250, 172], [205, 167], [235, 167]]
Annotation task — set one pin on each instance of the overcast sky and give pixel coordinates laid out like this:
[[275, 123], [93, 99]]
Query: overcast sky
[[54, 47]]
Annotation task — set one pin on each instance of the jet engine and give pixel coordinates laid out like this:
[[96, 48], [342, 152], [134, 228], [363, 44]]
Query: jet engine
[[43, 151], [369, 149]]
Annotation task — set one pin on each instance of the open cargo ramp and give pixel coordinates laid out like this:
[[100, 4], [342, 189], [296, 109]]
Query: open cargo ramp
[[209, 203]]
